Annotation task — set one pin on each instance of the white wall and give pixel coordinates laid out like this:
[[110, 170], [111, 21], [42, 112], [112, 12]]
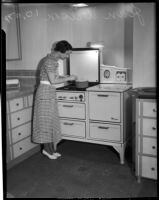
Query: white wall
[[127, 31], [144, 54], [42, 24]]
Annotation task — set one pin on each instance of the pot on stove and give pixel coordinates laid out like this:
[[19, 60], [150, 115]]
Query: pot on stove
[[81, 83]]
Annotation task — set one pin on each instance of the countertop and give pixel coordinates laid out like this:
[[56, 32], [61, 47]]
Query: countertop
[[22, 91], [109, 88], [144, 92]]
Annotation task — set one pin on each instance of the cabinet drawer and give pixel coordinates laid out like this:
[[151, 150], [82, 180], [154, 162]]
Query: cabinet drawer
[[21, 117], [73, 128], [16, 104], [149, 167], [72, 110], [104, 106], [105, 131], [30, 100], [150, 146], [149, 109], [21, 132], [149, 127], [22, 147]]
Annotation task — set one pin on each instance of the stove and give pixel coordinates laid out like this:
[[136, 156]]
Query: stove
[[70, 93], [110, 87], [72, 87]]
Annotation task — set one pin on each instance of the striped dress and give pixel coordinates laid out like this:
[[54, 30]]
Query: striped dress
[[46, 122]]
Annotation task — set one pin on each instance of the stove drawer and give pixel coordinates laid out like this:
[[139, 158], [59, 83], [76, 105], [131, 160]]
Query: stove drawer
[[105, 132], [104, 106], [73, 128], [71, 110]]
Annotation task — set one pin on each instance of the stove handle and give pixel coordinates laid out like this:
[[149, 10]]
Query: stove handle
[[69, 106], [102, 95], [103, 127], [66, 123]]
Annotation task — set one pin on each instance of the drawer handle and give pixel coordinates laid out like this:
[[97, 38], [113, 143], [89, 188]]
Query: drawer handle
[[152, 168], [153, 128], [19, 133], [20, 148], [154, 110], [17, 104], [114, 118], [65, 123], [153, 147], [103, 127], [102, 95], [69, 106], [18, 118]]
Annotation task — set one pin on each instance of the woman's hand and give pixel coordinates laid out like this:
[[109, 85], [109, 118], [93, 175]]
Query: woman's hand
[[72, 77]]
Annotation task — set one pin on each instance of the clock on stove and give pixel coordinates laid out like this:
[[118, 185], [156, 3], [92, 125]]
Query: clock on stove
[[107, 74], [113, 74]]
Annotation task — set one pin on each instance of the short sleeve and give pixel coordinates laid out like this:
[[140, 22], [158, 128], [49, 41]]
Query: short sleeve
[[49, 66]]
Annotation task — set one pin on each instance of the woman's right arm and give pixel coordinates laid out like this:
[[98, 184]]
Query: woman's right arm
[[54, 79]]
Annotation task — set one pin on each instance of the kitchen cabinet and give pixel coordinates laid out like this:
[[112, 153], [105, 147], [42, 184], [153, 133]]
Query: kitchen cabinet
[[105, 132], [11, 26], [96, 117], [73, 128], [72, 112], [110, 119], [104, 105], [146, 139], [19, 115]]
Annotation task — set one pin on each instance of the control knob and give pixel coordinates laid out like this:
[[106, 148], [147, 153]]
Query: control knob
[[80, 97]]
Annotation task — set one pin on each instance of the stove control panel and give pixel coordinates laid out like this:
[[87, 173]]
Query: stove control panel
[[70, 96], [113, 74]]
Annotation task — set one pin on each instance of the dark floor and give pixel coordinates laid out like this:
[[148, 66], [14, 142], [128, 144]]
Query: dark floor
[[84, 171]]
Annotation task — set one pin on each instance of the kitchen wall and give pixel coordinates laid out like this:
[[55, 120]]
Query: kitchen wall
[[144, 47], [127, 31], [42, 24]]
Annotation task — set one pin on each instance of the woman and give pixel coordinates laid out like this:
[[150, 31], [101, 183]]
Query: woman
[[46, 123]]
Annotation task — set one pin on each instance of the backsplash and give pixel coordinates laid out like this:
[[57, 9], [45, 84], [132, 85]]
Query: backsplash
[[17, 73], [26, 77]]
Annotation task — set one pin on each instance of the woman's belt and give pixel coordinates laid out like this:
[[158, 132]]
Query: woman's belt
[[54, 85], [45, 82]]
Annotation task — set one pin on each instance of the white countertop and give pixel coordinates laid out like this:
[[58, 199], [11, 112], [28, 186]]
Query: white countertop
[[110, 87]]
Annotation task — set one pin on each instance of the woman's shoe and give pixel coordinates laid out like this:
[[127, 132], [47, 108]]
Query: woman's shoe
[[57, 154], [49, 155]]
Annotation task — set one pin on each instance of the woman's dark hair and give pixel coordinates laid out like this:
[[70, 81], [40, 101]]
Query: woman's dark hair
[[62, 46]]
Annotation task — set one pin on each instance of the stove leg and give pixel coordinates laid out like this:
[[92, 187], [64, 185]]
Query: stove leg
[[121, 151]]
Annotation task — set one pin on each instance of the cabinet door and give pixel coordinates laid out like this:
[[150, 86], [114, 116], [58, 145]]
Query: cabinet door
[[149, 127], [30, 100], [16, 104], [71, 110], [150, 146], [149, 109], [22, 147], [21, 117], [105, 132], [104, 106], [149, 167], [21, 132], [73, 128]]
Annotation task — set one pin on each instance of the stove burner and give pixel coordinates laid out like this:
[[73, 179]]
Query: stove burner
[[73, 87]]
